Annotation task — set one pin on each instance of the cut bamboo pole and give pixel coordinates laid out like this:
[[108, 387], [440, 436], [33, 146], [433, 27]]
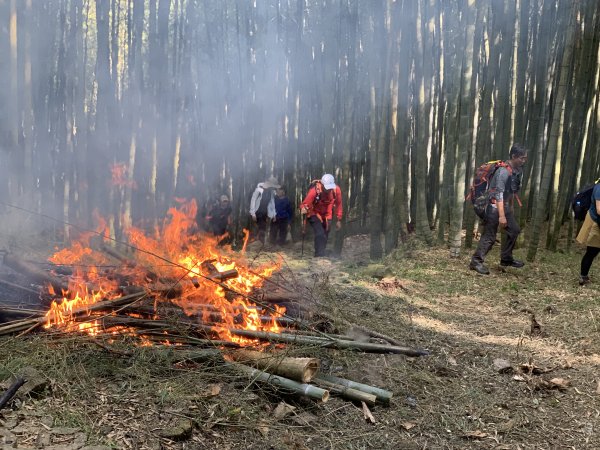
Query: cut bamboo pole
[[289, 338], [20, 325], [382, 395], [285, 384], [26, 324], [299, 369], [354, 395], [185, 340], [329, 343]]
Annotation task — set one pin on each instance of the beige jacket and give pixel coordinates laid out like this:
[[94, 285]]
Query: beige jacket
[[589, 235]]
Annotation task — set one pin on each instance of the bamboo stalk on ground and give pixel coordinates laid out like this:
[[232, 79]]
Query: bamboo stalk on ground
[[215, 314], [299, 369], [26, 324], [382, 395], [329, 343], [354, 395], [282, 383], [185, 340], [20, 325], [268, 336]]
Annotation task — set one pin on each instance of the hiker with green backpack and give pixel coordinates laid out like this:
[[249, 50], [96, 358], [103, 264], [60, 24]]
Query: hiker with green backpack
[[589, 235], [496, 209]]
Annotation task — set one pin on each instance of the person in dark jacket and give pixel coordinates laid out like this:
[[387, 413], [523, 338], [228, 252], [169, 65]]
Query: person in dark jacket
[[219, 217], [504, 185], [283, 218]]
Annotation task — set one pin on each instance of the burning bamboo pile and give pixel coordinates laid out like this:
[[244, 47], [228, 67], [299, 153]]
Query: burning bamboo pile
[[176, 289]]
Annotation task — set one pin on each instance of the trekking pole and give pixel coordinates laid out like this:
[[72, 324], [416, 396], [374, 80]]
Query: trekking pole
[[303, 232]]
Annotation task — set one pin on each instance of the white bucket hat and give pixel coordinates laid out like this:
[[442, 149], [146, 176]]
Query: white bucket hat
[[328, 181], [271, 182]]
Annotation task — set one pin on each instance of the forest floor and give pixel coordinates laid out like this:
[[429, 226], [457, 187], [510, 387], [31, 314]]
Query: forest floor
[[544, 394]]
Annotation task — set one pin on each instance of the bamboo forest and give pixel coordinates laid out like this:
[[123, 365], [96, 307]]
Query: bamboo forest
[[149, 147]]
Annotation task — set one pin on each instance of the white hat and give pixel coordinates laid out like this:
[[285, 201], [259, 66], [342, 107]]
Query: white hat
[[272, 182], [224, 198], [328, 181]]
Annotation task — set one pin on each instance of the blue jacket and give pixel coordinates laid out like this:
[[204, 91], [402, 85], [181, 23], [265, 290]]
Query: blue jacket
[[595, 196], [283, 207]]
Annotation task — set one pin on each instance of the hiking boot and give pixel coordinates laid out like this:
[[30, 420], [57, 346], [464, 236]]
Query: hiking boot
[[513, 263], [583, 280], [479, 268]]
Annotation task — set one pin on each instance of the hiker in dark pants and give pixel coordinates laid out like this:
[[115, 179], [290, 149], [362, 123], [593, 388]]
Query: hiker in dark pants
[[262, 206], [589, 235], [322, 198], [280, 226], [505, 183]]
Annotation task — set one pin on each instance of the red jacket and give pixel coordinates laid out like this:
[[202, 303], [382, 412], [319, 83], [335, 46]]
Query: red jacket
[[324, 207]]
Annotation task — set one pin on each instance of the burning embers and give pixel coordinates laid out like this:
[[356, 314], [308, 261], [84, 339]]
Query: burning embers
[[174, 270]]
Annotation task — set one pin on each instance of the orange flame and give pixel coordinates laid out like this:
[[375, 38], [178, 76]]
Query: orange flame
[[203, 295], [119, 175]]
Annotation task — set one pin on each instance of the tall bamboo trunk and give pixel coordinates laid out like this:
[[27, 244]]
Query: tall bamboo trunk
[[556, 125], [464, 144], [423, 104]]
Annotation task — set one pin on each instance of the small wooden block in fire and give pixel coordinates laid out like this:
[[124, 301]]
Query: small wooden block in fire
[[213, 273]]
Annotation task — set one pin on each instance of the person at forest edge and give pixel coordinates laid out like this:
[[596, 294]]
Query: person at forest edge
[[504, 184], [219, 217], [280, 226], [589, 235], [322, 198], [262, 205]]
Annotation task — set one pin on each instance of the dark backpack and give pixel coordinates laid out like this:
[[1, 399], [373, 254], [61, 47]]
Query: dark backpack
[[479, 191], [265, 198], [582, 201]]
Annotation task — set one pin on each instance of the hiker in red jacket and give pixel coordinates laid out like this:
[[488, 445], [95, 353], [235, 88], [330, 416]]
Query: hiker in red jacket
[[322, 198]]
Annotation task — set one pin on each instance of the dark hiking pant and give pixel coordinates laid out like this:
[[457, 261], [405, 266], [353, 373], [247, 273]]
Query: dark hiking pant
[[261, 221], [488, 238], [321, 231], [588, 259], [279, 231]]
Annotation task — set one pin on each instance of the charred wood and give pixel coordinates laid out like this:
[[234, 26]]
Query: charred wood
[[35, 274], [11, 391]]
